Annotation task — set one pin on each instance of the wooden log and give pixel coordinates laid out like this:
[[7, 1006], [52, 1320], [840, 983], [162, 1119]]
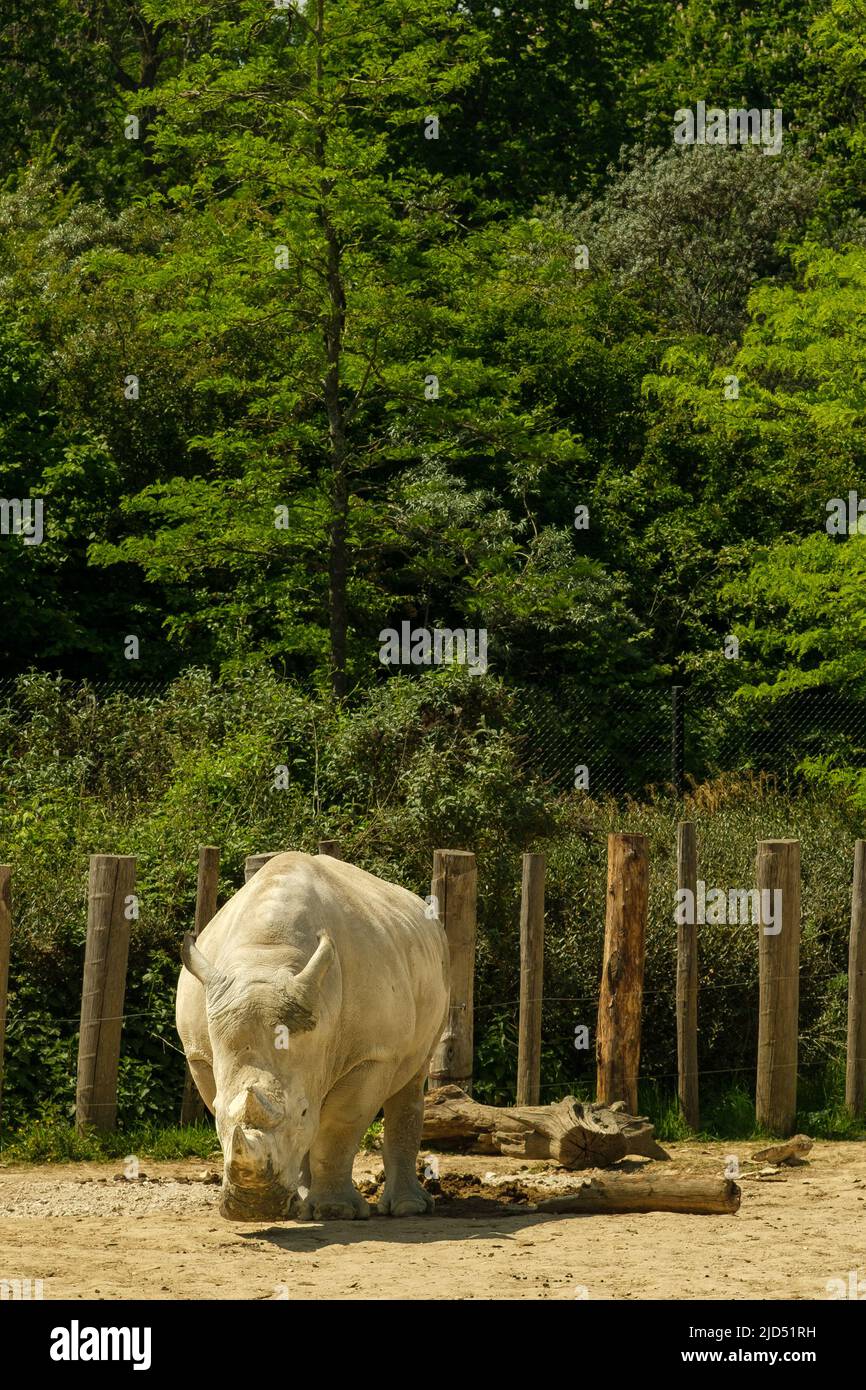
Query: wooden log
[[192, 1108], [855, 1071], [254, 862], [5, 950], [531, 979], [792, 1151], [624, 1193], [571, 1133], [687, 976], [454, 890], [778, 874], [111, 884], [621, 997], [331, 847]]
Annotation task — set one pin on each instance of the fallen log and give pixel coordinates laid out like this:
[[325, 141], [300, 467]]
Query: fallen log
[[792, 1151], [623, 1193], [572, 1133]]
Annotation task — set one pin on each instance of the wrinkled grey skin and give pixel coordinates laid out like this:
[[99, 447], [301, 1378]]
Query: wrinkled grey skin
[[314, 997]]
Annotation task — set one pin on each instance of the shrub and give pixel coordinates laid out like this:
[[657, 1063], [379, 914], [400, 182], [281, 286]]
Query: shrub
[[423, 762]]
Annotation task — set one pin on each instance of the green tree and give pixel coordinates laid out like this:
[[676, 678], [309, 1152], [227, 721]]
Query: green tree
[[690, 230], [71, 73], [796, 425], [299, 242], [751, 53], [67, 476], [328, 296], [805, 616], [564, 89]]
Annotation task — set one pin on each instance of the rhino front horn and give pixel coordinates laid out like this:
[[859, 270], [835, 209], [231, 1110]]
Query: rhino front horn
[[242, 1158]]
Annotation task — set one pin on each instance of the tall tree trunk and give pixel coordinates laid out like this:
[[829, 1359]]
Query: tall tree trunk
[[337, 571], [334, 327], [338, 562], [150, 61]]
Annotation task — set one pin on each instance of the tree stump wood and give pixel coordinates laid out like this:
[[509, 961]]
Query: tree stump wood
[[793, 1151], [572, 1133]]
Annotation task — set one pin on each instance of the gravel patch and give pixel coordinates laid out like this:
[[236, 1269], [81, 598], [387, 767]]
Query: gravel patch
[[105, 1197]]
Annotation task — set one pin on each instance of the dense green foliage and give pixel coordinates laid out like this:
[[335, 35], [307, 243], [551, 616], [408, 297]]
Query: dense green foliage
[[286, 261], [427, 762], [321, 316]]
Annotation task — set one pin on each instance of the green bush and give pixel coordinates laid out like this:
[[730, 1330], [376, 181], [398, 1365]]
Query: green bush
[[422, 763]]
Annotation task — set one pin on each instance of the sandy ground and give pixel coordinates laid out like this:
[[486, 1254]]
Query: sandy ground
[[88, 1233]]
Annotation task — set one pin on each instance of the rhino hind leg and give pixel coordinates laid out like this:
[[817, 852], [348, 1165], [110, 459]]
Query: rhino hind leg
[[403, 1194], [348, 1110]]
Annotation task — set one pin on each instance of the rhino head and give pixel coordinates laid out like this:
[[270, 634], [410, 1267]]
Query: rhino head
[[266, 1063]]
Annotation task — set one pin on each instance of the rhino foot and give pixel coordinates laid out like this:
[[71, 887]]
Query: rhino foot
[[405, 1199], [334, 1206]]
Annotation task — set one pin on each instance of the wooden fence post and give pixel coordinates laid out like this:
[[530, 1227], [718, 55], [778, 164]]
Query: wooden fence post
[[254, 862], [687, 975], [621, 995], [778, 879], [110, 886], [331, 847], [5, 948], [855, 1072], [454, 888], [192, 1106], [531, 979]]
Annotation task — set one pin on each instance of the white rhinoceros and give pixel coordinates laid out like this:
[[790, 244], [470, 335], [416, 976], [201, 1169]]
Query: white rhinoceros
[[314, 997]]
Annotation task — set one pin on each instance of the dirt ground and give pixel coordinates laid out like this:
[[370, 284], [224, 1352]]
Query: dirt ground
[[88, 1233]]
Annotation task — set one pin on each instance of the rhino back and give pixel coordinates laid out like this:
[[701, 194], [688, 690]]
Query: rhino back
[[390, 990]]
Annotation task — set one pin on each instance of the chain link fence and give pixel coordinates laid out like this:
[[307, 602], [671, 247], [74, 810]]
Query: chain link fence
[[674, 737], [632, 744]]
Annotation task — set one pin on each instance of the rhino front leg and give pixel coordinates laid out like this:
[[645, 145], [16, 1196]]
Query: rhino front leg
[[347, 1112], [202, 1074], [403, 1194], [306, 1176]]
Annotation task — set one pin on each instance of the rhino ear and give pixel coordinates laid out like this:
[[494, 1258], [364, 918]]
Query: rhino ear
[[197, 964], [317, 967]]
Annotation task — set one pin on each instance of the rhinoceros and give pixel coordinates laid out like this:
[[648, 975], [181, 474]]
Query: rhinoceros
[[314, 998]]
